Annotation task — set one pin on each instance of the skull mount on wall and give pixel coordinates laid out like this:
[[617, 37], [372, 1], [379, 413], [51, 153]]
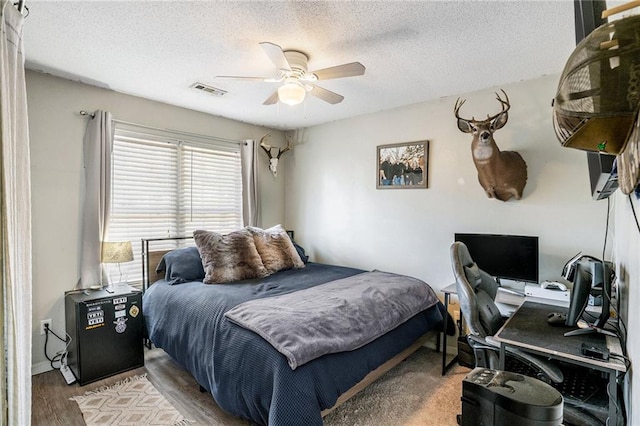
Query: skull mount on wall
[[274, 152]]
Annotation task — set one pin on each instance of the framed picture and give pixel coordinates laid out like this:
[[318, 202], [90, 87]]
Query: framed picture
[[403, 165]]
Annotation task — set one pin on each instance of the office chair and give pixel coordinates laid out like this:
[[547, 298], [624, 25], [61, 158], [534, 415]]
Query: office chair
[[476, 294]]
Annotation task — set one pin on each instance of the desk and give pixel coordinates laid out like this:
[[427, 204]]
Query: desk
[[527, 329], [448, 291]]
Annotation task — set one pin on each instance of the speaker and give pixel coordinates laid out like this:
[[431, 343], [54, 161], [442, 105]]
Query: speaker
[[604, 181]]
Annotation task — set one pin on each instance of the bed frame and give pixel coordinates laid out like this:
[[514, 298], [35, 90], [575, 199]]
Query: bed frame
[[151, 258]]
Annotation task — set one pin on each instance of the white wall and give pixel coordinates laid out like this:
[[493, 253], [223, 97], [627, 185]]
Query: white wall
[[340, 217], [627, 256], [56, 133]]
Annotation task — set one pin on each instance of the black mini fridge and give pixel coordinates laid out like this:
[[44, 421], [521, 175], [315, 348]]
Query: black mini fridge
[[106, 329]]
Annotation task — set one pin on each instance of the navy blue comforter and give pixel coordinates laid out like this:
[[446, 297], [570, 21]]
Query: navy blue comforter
[[245, 374]]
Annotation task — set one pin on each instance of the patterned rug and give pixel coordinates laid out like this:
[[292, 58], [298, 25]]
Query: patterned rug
[[133, 401]]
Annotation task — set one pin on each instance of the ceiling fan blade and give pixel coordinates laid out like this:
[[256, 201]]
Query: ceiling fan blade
[[271, 99], [345, 70], [275, 53], [326, 95], [237, 77]]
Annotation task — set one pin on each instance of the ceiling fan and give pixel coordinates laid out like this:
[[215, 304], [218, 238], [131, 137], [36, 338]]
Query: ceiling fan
[[292, 71]]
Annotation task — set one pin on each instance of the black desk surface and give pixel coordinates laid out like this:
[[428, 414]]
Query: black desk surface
[[528, 328]]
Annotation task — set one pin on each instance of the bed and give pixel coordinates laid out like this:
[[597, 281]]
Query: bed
[[247, 376]]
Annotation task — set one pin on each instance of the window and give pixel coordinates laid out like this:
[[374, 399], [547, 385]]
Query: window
[[166, 184]]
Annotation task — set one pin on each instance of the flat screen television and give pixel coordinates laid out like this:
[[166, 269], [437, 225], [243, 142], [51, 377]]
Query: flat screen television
[[512, 257]]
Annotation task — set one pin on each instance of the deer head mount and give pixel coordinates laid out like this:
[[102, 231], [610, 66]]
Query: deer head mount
[[274, 152], [502, 174]]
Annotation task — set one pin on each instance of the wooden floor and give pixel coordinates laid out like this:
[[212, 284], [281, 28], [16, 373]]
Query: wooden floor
[[51, 404]]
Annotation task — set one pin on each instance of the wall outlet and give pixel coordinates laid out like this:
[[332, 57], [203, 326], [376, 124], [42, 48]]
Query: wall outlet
[[42, 324]]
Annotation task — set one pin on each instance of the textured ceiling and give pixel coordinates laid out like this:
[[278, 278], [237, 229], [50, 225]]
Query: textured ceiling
[[413, 51]]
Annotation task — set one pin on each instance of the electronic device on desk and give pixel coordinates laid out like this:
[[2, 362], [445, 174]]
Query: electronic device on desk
[[553, 285], [549, 292], [512, 257], [593, 277]]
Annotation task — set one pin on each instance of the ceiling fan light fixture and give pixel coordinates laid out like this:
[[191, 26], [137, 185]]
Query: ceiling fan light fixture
[[291, 92]]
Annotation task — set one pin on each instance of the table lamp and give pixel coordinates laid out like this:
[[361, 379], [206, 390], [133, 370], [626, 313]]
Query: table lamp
[[117, 252]]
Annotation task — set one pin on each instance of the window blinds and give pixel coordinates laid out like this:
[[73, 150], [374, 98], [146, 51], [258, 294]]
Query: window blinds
[[165, 185]]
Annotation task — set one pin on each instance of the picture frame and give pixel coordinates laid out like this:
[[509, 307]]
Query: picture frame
[[403, 165]]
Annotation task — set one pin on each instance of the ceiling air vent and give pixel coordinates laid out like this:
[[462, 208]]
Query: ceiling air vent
[[213, 91]]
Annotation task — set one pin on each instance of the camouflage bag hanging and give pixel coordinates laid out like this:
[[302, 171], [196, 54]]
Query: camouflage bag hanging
[[597, 100], [628, 162]]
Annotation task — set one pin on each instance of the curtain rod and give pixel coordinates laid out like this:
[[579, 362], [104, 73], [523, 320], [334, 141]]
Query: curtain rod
[[215, 138]]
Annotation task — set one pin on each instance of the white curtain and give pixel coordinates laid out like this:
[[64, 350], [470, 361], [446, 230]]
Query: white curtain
[[97, 150], [250, 196], [16, 222]]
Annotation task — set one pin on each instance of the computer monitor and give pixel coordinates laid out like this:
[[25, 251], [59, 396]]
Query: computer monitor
[[591, 277], [512, 257]]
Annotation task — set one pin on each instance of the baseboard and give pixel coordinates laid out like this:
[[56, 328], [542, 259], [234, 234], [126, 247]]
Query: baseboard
[[41, 367], [452, 343]]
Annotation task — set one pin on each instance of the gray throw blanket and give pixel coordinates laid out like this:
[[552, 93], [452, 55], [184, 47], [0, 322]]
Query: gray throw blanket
[[338, 316]]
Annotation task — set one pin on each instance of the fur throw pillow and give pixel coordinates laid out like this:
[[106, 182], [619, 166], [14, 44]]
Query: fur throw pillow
[[229, 257], [276, 249]]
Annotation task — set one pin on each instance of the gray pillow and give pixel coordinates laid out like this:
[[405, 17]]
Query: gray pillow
[[276, 249], [230, 257], [181, 265]]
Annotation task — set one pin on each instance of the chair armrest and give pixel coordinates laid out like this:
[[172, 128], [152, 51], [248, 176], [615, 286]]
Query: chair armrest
[[479, 342], [493, 342]]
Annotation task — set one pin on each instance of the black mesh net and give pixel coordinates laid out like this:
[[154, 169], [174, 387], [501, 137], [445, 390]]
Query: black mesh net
[[599, 91]]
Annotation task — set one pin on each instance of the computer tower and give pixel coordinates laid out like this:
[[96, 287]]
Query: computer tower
[[106, 329]]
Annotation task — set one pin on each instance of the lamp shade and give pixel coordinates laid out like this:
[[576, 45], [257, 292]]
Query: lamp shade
[[116, 251], [291, 92]]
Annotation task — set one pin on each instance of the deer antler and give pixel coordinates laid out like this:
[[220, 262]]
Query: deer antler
[[267, 148], [456, 108], [287, 148], [503, 103]]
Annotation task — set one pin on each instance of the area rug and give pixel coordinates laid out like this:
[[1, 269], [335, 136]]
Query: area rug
[[133, 401], [414, 393]]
